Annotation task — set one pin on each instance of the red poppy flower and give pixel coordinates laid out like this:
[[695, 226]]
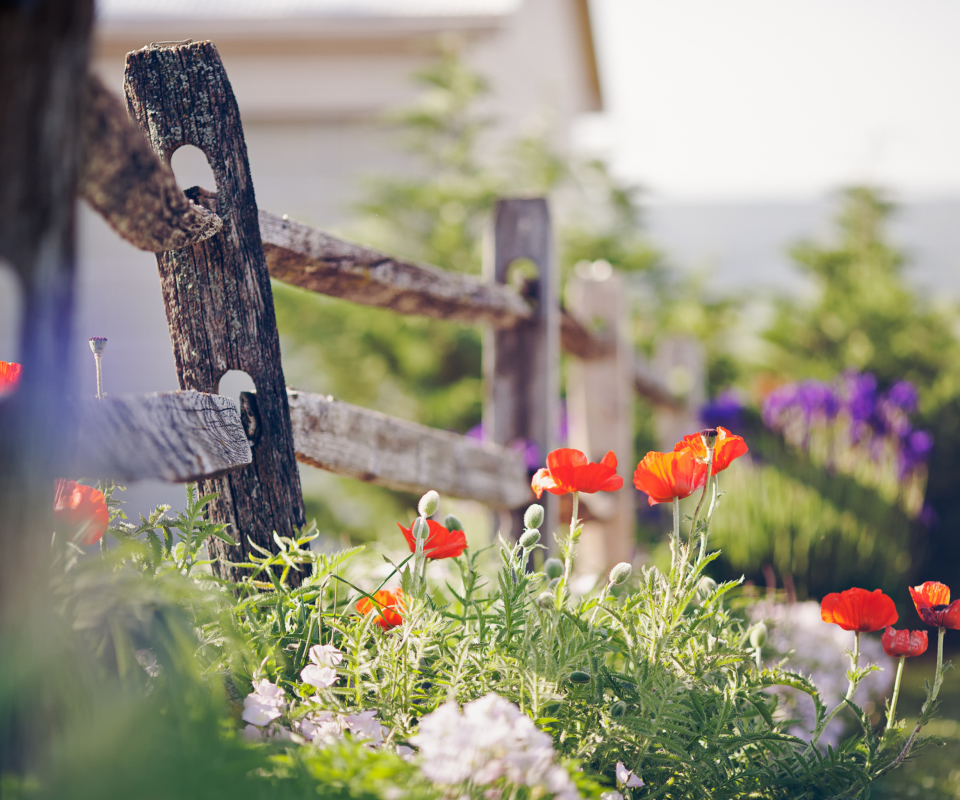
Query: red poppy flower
[[858, 610], [904, 643], [9, 376], [569, 470], [82, 510], [387, 605], [441, 543], [729, 447], [664, 476], [932, 601]]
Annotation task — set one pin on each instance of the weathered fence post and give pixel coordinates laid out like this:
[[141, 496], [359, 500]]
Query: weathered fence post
[[522, 364], [681, 364], [217, 292], [600, 417]]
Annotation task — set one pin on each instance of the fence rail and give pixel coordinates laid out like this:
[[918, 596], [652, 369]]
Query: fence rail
[[169, 436], [398, 454], [216, 253]]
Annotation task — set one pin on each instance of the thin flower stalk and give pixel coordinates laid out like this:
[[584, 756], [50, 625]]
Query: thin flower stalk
[[892, 713]]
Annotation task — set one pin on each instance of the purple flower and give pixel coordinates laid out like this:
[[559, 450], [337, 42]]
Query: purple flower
[[725, 409], [920, 443], [859, 393], [531, 453], [903, 395]]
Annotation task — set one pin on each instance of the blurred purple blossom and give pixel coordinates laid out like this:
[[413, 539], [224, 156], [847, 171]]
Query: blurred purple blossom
[[872, 419], [725, 409]]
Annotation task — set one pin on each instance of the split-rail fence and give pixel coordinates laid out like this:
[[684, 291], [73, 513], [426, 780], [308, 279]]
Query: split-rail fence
[[216, 254]]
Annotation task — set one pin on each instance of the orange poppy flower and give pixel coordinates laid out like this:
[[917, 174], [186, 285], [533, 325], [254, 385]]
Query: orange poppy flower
[[81, 509], [858, 610], [665, 476], [387, 605], [9, 376], [441, 543], [932, 601], [904, 643], [729, 447], [568, 470]]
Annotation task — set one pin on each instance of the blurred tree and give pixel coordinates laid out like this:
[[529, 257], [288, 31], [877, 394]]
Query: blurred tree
[[429, 370], [863, 316]]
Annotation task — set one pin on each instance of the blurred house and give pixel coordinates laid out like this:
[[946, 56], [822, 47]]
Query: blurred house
[[315, 78]]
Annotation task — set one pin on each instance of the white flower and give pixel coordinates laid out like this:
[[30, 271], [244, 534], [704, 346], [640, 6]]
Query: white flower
[[321, 677], [252, 733], [490, 740], [257, 714], [325, 655], [406, 753], [148, 660], [264, 704], [611, 795], [322, 727], [365, 725], [269, 693], [626, 778]]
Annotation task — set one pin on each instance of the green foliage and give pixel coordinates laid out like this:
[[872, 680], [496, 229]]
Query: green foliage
[[864, 316], [137, 660]]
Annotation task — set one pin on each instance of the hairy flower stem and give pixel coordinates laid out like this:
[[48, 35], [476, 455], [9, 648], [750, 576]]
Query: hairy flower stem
[[419, 562], [854, 662], [572, 539], [706, 488], [927, 706], [892, 713]]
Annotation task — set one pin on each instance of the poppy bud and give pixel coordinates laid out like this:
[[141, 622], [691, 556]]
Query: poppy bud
[[620, 573], [98, 344], [530, 537], [420, 529], [546, 600], [429, 504], [758, 635], [553, 584], [706, 587], [578, 676], [709, 437], [618, 709], [533, 516], [452, 523], [553, 567]]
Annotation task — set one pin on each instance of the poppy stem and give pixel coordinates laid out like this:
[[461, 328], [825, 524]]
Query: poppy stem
[[676, 533], [892, 712], [571, 540], [931, 699], [706, 487]]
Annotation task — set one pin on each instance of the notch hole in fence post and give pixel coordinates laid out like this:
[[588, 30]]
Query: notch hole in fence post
[[240, 387], [11, 312], [193, 171], [523, 276]]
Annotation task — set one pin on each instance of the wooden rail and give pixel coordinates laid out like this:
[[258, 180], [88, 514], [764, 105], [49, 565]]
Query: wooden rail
[[311, 259], [169, 436], [376, 448], [127, 183]]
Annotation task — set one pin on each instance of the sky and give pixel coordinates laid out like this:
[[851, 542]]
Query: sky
[[779, 99]]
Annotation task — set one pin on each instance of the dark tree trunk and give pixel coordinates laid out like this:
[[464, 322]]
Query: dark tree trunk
[[217, 292]]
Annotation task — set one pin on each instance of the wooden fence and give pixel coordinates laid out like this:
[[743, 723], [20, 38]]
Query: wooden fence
[[216, 253]]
